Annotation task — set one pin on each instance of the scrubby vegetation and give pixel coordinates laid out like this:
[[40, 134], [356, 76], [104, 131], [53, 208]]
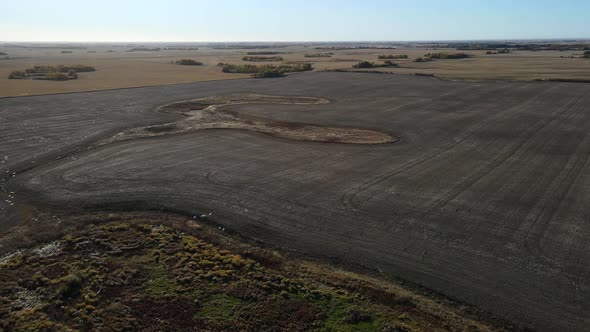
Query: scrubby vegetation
[[586, 55], [188, 62], [262, 58], [364, 64], [344, 48], [392, 56], [421, 59], [367, 64], [268, 74], [66, 52], [180, 48], [127, 273], [145, 49], [502, 51], [2, 53], [447, 55], [53, 73], [264, 53], [318, 55], [265, 71]]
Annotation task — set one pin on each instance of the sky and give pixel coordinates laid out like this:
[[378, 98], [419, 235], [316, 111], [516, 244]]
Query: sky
[[278, 20]]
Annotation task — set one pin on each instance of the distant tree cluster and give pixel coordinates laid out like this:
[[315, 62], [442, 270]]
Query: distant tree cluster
[[392, 56], [447, 55], [442, 56], [264, 53], [65, 52], [586, 55], [502, 51], [421, 59], [318, 55], [145, 49], [180, 48], [2, 53], [262, 58], [268, 74], [367, 64], [265, 71], [188, 62], [53, 73]]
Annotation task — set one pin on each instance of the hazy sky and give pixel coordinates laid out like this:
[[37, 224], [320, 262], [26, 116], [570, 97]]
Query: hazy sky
[[277, 20]]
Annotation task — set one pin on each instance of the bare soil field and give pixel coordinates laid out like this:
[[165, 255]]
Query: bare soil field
[[118, 67], [483, 198]]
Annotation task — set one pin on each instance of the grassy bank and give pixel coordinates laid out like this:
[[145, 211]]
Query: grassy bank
[[137, 272]]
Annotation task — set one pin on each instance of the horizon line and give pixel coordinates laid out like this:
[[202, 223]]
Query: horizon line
[[300, 41]]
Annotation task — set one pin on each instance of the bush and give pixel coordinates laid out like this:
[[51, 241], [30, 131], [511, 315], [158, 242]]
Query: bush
[[447, 55], [41, 69], [318, 55], [70, 287], [2, 53], [367, 64], [65, 52], [72, 74], [75, 68], [57, 77], [587, 55], [188, 62], [421, 59], [57, 73], [263, 53], [253, 69], [144, 49], [262, 58], [268, 74], [17, 74], [393, 56], [364, 64]]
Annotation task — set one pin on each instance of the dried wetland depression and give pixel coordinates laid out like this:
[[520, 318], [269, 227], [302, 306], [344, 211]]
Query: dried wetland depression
[[477, 190]]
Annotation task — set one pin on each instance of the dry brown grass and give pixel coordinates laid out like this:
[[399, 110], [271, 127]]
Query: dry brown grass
[[121, 69]]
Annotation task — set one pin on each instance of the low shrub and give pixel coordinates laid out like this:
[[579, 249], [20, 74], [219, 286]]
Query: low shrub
[[367, 64], [53, 73], [188, 62], [364, 64], [264, 53], [17, 74], [392, 56], [70, 286], [268, 74], [447, 55], [66, 52], [421, 59], [75, 68], [586, 55], [145, 49], [318, 55], [58, 77], [180, 48], [2, 53], [252, 69], [262, 58]]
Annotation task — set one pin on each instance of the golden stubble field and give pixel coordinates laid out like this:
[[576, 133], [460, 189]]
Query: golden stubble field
[[118, 68]]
